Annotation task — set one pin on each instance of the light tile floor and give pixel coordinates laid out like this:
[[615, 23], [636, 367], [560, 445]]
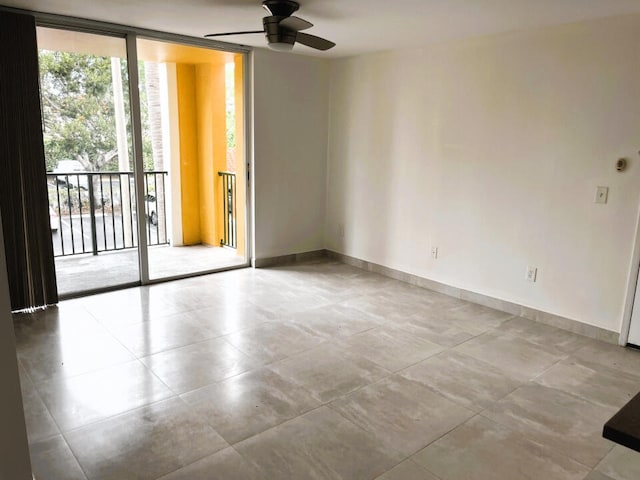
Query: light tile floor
[[314, 371], [83, 273]]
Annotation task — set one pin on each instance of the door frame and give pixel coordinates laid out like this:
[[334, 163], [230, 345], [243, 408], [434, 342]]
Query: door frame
[[632, 281], [138, 161], [130, 35]]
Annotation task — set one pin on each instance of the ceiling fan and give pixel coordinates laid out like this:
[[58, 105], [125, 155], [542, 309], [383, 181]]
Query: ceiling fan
[[282, 29]]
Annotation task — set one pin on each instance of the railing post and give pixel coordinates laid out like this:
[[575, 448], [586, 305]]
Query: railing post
[[92, 214], [228, 209]]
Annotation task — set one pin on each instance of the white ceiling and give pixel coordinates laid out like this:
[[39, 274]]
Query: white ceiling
[[357, 26]]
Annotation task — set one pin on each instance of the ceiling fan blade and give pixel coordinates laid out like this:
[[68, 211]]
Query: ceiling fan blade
[[295, 23], [314, 42], [232, 33]]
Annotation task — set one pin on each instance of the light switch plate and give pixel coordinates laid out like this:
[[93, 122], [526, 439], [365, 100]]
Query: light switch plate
[[532, 274], [602, 193]]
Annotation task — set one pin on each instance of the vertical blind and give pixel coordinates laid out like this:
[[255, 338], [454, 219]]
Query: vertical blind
[[23, 185]]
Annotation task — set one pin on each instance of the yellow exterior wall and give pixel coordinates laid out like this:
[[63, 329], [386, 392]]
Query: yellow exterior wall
[[214, 156], [219, 143], [189, 164], [203, 150], [201, 104], [205, 124]]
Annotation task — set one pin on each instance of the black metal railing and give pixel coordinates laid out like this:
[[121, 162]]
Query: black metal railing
[[95, 211], [228, 209]]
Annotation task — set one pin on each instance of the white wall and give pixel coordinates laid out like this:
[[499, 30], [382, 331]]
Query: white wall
[[14, 453], [291, 96], [491, 149]]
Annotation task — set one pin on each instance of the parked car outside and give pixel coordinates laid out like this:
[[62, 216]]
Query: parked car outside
[[73, 173], [54, 219], [151, 208]]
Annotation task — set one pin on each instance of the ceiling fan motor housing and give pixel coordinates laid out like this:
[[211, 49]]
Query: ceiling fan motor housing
[[280, 8], [277, 34]]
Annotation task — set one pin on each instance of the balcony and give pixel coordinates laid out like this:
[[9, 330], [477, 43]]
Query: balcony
[[95, 235]]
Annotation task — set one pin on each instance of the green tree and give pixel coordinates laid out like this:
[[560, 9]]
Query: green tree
[[78, 111], [147, 147]]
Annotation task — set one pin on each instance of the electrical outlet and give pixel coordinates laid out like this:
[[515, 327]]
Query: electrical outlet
[[434, 252], [532, 273], [341, 230]]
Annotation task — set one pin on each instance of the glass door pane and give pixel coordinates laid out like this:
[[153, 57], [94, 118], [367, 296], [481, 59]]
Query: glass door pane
[[191, 102], [87, 135]]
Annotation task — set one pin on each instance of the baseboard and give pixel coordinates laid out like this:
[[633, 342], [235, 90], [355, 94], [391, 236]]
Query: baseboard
[[546, 318], [287, 259]]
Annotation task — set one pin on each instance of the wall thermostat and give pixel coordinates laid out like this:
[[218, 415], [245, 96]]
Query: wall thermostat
[[621, 164]]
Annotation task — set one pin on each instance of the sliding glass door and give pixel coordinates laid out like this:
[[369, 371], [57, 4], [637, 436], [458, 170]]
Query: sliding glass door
[[145, 166], [90, 179], [191, 100]]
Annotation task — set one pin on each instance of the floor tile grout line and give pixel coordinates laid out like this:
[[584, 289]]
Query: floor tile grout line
[[61, 377], [317, 407], [584, 398], [119, 414], [246, 459], [53, 419], [329, 405], [284, 420], [168, 349], [460, 404], [566, 392], [82, 468], [220, 380], [195, 414], [405, 458], [387, 375], [322, 342], [190, 345], [410, 459], [60, 433], [155, 375], [116, 415], [256, 466], [545, 448], [108, 332], [263, 365], [198, 459]]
